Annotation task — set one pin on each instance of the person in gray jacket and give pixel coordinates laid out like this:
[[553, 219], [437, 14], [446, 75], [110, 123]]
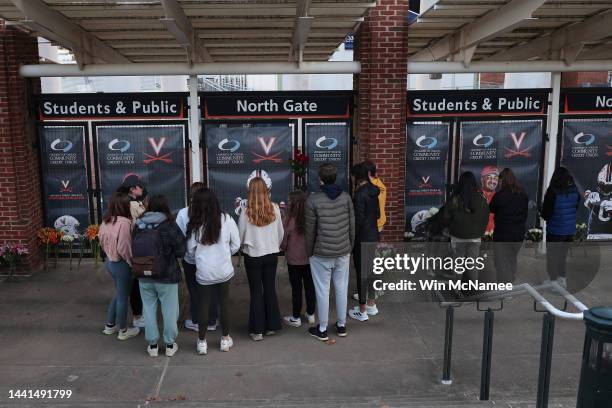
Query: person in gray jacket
[[329, 236]]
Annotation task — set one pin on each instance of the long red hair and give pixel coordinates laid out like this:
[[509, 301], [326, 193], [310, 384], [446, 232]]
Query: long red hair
[[259, 207]]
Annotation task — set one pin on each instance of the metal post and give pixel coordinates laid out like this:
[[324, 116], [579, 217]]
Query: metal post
[[448, 346], [548, 334], [194, 129], [552, 129], [487, 349]]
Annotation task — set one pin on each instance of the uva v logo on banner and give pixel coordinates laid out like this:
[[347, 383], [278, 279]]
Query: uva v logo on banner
[[157, 146]]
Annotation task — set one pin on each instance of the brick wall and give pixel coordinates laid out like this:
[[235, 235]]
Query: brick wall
[[380, 46], [580, 79], [20, 197], [489, 80]]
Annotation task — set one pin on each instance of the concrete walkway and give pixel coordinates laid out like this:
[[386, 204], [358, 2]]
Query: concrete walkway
[[50, 334]]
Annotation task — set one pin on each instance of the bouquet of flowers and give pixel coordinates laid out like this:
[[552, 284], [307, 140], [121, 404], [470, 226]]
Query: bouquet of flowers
[[534, 235], [50, 239], [299, 166], [91, 234], [11, 254], [581, 232], [69, 240], [408, 236], [487, 237]]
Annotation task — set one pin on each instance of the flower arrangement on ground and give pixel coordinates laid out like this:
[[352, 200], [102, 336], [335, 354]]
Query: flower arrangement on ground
[[50, 239], [534, 235], [91, 234], [11, 255]]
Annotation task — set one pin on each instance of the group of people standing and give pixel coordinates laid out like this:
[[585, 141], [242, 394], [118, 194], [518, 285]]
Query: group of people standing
[[467, 215], [318, 232]]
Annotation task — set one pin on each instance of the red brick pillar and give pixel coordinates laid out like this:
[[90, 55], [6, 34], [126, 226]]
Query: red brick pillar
[[580, 79], [381, 47], [20, 196]]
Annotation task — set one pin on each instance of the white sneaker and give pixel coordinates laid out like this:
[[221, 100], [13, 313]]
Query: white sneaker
[[371, 310], [138, 322], [110, 330], [128, 333], [202, 347], [171, 351], [213, 327], [292, 321], [358, 315], [256, 337], [311, 318], [190, 325], [153, 352], [226, 344]]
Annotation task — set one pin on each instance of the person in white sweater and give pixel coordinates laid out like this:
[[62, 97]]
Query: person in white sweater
[[261, 233], [213, 237]]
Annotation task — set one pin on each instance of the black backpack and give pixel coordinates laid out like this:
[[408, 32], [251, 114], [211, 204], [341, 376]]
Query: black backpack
[[147, 253]]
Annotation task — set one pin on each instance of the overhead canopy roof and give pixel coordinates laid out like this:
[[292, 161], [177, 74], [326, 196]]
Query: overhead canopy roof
[[511, 30], [107, 31]]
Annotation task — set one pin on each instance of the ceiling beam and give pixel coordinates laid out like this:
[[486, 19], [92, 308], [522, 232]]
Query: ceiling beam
[[179, 25], [58, 28], [462, 44], [301, 30], [601, 51], [564, 40]]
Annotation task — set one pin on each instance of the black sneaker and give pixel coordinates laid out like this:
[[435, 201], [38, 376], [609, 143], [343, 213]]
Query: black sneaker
[[317, 334], [340, 330]]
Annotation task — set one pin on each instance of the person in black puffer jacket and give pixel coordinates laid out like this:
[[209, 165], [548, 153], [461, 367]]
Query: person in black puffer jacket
[[367, 211], [510, 207], [164, 288]]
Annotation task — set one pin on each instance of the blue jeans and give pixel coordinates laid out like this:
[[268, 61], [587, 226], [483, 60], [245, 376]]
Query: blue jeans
[[167, 294], [122, 277], [323, 271]]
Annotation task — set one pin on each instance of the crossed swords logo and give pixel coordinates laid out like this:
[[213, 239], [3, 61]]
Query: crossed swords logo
[[157, 146], [518, 141], [267, 146], [65, 187]]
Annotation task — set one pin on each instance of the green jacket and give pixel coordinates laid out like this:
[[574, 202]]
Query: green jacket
[[464, 224]]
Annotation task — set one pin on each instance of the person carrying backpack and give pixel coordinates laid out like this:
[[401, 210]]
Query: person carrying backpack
[[157, 242]]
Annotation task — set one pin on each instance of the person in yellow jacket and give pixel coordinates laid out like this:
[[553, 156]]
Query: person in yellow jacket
[[382, 196]]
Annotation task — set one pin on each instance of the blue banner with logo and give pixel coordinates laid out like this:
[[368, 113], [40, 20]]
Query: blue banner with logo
[[237, 153], [155, 153], [327, 142], [587, 153], [487, 147], [427, 154], [64, 170]]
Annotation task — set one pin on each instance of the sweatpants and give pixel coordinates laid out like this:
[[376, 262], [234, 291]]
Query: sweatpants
[[324, 270], [167, 295]]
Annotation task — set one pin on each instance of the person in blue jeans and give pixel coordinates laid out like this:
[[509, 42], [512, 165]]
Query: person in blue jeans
[[330, 236], [115, 240], [164, 288], [559, 209]]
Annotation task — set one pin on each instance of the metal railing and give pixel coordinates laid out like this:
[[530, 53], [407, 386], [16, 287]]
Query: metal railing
[[548, 330]]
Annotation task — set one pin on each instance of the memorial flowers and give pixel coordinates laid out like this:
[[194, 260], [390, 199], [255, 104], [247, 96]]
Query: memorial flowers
[[91, 234], [534, 235], [50, 239], [299, 167], [11, 255], [69, 240]]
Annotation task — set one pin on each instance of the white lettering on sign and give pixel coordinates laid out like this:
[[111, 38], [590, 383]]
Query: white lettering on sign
[[270, 106], [158, 108], [603, 102], [519, 104]]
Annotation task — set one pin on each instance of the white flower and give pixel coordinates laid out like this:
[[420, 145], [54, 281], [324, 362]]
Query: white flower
[[68, 238], [433, 211]]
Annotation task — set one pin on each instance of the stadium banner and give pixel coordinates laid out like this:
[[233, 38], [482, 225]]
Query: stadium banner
[[64, 177], [327, 142], [586, 152], [487, 147], [427, 155], [153, 152], [238, 152]]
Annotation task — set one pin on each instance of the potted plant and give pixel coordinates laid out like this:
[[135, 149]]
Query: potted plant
[[11, 255]]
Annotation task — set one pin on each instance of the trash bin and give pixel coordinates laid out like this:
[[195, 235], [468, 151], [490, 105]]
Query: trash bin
[[595, 389]]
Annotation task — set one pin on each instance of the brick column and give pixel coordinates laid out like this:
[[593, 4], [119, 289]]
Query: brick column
[[20, 196], [381, 47], [580, 79]]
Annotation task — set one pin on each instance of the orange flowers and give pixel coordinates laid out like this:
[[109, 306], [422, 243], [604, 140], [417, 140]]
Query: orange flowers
[[49, 236], [92, 232]]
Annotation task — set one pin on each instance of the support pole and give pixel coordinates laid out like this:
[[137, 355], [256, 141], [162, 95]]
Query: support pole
[[548, 334], [194, 130], [487, 350], [552, 129], [448, 345]]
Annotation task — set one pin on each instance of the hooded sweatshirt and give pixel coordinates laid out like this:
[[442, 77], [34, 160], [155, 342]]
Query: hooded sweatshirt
[[367, 212], [173, 242], [382, 200]]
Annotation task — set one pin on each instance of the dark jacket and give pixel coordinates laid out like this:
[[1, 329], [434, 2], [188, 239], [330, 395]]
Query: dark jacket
[[367, 211], [559, 210], [510, 214], [330, 223], [173, 242], [464, 224]]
